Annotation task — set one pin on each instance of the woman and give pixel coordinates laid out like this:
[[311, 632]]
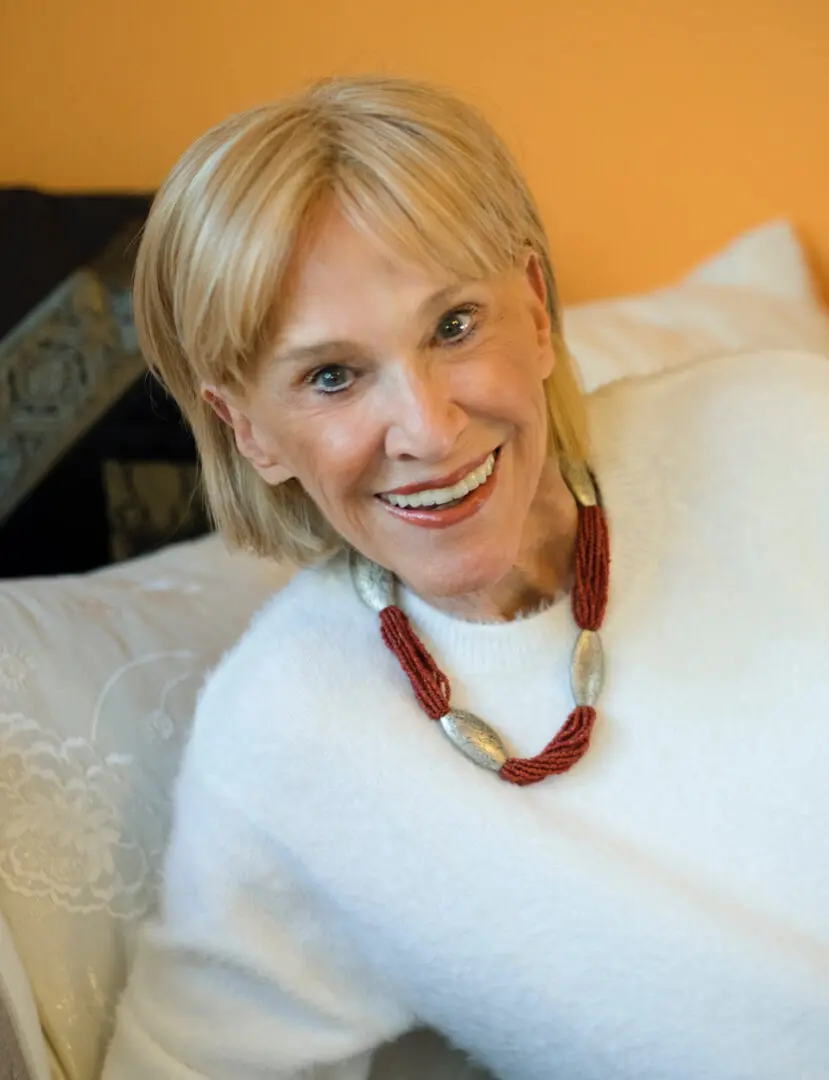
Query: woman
[[350, 295]]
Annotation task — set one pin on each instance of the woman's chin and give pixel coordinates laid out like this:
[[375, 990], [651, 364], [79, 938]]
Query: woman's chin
[[455, 581]]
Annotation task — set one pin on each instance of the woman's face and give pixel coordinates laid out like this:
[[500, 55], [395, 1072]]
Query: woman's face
[[386, 377]]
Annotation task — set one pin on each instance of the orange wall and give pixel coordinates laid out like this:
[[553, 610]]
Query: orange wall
[[651, 130]]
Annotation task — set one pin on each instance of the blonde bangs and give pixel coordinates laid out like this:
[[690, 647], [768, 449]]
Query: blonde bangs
[[409, 201]]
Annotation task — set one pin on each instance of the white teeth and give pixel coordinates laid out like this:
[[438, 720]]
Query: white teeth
[[438, 496]]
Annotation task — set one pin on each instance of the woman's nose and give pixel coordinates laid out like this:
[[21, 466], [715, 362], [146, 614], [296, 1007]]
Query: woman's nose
[[425, 420]]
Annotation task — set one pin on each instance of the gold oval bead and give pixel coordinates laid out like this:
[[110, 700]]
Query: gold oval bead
[[374, 583], [475, 739], [587, 668], [578, 478]]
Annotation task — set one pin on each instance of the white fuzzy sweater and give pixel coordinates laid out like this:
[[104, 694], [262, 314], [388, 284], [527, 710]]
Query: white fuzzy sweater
[[339, 873]]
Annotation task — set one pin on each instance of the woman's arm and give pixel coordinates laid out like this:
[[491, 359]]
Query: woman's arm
[[245, 976]]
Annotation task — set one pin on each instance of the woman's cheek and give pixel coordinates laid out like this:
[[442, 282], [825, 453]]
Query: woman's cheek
[[346, 455]]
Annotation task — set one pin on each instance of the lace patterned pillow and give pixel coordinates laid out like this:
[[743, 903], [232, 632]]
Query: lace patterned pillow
[[98, 675]]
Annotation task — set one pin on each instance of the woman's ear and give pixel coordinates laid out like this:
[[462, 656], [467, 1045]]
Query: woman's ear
[[217, 403], [537, 288], [534, 273], [249, 442]]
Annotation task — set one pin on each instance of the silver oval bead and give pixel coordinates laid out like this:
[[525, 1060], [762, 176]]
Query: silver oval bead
[[374, 583], [477, 740], [578, 478], [587, 668]]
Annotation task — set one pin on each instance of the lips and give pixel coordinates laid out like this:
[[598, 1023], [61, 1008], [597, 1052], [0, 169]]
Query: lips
[[449, 480], [447, 516]]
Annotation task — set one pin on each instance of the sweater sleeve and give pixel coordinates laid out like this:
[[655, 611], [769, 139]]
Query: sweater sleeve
[[244, 977]]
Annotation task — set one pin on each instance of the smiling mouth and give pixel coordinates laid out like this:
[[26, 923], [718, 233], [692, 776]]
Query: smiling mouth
[[456, 508], [436, 499]]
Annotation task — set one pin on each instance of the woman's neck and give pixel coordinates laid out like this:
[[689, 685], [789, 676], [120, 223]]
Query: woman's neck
[[544, 571]]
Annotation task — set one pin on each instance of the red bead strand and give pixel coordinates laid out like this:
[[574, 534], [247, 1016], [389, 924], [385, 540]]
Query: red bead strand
[[429, 683]]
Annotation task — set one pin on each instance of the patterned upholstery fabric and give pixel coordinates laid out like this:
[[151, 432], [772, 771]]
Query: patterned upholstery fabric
[[62, 366], [95, 463]]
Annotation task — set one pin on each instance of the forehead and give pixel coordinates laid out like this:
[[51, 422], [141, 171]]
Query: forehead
[[339, 272]]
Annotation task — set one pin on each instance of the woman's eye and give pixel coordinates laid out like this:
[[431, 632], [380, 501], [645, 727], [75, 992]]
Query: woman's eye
[[331, 379], [455, 325]]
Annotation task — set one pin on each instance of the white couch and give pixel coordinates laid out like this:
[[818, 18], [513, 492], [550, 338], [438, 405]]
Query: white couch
[[98, 677]]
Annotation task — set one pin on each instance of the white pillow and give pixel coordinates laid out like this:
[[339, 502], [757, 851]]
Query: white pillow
[[98, 676], [755, 294], [23, 1053]]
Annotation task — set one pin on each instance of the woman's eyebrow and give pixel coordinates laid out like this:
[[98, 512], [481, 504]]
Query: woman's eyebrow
[[441, 298], [321, 351], [317, 352]]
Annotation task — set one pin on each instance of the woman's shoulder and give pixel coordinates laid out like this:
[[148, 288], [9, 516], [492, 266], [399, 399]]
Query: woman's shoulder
[[305, 648], [301, 630], [315, 599]]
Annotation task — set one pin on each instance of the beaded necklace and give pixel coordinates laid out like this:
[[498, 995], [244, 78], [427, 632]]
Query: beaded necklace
[[472, 736]]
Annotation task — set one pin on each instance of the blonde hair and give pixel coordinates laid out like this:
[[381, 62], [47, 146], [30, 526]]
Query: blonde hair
[[409, 163]]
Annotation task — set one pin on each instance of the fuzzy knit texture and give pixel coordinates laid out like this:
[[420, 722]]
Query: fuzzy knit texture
[[339, 873]]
